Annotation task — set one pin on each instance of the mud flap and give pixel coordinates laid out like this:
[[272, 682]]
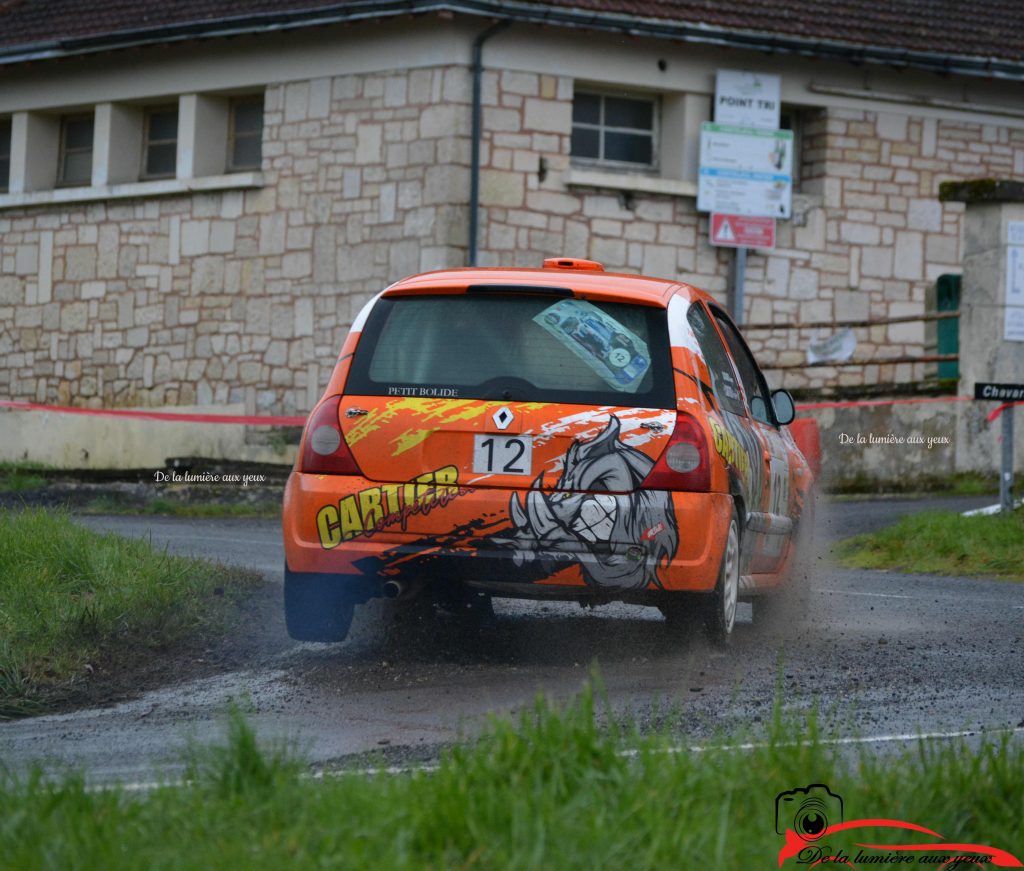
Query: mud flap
[[319, 607]]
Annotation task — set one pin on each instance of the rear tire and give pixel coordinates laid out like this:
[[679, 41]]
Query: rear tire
[[317, 607], [720, 606]]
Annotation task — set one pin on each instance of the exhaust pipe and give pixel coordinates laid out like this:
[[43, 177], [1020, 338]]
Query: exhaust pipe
[[393, 589]]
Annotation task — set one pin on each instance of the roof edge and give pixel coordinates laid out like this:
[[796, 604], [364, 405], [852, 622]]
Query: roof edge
[[525, 13]]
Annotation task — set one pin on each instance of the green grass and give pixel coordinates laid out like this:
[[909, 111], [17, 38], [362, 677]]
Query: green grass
[[18, 477], [71, 599], [23, 477], [553, 791], [954, 484], [108, 504], [943, 543]]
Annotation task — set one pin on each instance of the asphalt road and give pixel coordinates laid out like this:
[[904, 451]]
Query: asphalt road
[[883, 655]]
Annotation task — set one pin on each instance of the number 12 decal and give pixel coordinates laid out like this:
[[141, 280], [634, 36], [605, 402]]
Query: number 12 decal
[[503, 455]]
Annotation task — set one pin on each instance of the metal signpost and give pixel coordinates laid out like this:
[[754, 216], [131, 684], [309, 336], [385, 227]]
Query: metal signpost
[[745, 167], [740, 232], [1003, 393]]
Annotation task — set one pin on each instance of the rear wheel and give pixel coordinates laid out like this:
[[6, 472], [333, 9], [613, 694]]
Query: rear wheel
[[720, 606], [317, 607]]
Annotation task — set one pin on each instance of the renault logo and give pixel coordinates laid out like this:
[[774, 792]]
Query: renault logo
[[503, 417]]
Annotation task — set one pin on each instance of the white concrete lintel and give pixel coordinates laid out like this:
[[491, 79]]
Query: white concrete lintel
[[647, 184], [131, 190]]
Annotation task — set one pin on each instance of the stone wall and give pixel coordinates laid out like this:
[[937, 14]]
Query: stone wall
[[899, 446], [868, 236], [242, 297]]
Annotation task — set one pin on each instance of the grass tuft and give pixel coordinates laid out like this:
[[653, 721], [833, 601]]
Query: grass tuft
[[951, 484], [556, 789], [241, 768], [18, 477], [943, 543], [116, 504], [72, 599]]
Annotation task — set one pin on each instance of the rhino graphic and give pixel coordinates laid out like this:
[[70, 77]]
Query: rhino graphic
[[618, 538]]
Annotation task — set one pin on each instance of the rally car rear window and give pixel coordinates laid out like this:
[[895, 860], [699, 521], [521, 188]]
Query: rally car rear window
[[532, 347]]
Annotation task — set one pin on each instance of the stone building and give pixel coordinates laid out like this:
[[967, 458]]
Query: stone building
[[197, 197]]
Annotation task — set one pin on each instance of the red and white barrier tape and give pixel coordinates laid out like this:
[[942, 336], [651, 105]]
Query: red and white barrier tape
[[864, 403], [811, 406], [170, 416], [277, 420], [1001, 409]]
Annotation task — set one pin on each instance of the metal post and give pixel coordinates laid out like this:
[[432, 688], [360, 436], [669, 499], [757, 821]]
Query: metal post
[[1006, 476], [739, 271]]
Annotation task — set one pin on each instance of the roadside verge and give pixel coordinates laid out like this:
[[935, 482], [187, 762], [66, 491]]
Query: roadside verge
[[90, 617], [943, 543]]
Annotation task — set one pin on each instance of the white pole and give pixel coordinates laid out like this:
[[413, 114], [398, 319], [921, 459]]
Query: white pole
[[1006, 476]]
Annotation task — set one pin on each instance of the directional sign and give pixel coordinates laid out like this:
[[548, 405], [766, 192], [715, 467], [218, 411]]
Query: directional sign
[[999, 392], [741, 231], [745, 171]]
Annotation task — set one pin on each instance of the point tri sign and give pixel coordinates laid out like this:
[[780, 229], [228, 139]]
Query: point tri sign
[[745, 99]]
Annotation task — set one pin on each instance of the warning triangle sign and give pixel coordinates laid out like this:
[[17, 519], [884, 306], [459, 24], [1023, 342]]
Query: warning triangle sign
[[742, 231]]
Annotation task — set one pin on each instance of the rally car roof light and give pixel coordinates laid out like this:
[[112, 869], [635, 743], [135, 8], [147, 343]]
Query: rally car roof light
[[575, 263]]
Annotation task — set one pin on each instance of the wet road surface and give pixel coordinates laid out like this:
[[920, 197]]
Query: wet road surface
[[882, 655]]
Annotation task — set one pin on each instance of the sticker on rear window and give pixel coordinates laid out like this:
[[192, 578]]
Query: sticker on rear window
[[446, 392], [616, 354]]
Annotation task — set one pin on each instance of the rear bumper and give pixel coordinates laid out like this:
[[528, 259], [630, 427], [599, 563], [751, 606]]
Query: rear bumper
[[430, 530]]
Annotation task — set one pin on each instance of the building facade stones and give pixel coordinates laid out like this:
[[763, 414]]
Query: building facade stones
[[237, 291]]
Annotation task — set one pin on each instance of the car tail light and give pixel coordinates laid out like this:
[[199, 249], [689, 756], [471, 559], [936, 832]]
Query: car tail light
[[324, 450], [685, 463]]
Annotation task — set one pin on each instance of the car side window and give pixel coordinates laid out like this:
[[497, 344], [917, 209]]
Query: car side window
[[723, 381], [754, 384]]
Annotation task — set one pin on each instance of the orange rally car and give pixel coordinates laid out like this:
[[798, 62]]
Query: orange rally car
[[543, 433]]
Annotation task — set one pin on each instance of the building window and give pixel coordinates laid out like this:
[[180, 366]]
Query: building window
[[5, 154], [613, 129], [245, 134], [75, 166], [160, 142], [790, 119]]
